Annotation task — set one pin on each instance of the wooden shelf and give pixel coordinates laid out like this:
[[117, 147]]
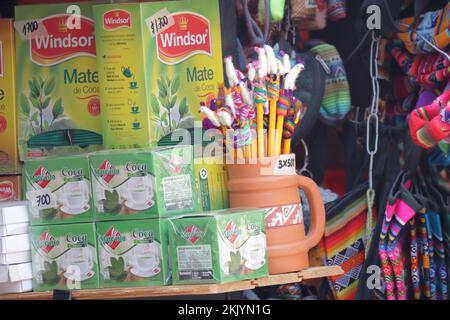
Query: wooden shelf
[[184, 290]]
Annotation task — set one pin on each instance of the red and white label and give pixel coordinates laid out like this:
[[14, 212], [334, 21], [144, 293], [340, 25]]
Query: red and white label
[[6, 191], [192, 234], [106, 166], [113, 234], [231, 232], [189, 35], [46, 237], [283, 215], [116, 19], [62, 43], [42, 173]]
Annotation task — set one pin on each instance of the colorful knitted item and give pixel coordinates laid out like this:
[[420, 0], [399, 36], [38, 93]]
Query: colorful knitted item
[[259, 92], [433, 26], [336, 100], [429, 125], [337, 10], [414, 259], [273, 88], [439, 262], [425, 70], [425, 250], [237, 98], [288, 128], [434, 131], [283, 103]]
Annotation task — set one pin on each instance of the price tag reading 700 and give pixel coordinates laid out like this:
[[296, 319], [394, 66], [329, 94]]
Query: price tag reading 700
[[159, 22], [41, 199]]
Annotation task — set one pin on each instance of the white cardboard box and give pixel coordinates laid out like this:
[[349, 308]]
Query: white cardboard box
[[13, 212], [16, 287], [14, 229], [15, 257], [15, 272], [17, 243]]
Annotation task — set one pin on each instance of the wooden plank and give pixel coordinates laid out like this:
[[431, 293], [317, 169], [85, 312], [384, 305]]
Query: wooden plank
[[184, 290], [321, 272], [139, 292], [310, 273]]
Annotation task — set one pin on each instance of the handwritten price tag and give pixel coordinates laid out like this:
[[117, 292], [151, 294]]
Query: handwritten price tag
[[41, 199], [30, 29], [285, 165], [159, 22]]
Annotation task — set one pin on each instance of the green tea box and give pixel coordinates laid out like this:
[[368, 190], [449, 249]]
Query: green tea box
[[174, 171], [157, 61], [218, 247], [211, 180], [122, 185], [141, 183], [64, 257], [57, 86], [58, 190], [133, 253]]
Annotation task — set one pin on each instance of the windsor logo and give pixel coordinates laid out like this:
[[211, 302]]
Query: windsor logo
[[116, 19], [192, 234], [231, 231], [62, 43], [107, 171], [6, 190], [42, 177], [188, 36], [112, 238], [46, 242]]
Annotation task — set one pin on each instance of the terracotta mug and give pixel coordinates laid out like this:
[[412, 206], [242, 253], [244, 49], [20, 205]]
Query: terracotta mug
[[259, 185]]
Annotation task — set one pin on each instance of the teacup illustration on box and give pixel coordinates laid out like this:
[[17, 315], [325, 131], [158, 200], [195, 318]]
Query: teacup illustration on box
[[254, 252], [79, 264], [126, 71], [139, 193], [145, 261], [75, 197]]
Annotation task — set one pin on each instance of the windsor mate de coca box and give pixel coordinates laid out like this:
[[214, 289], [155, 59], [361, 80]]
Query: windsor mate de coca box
[[56, 80], [156, 62]]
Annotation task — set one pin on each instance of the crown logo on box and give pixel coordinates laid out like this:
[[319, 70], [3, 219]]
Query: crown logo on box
[[62, 25], [183, 23]]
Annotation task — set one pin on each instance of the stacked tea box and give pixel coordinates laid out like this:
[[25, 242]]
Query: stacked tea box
[[134, 193], [100, 219], [218, 247], [63, 237], [15, 254]]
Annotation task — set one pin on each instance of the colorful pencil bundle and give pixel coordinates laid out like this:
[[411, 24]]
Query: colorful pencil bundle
[[258, 112]]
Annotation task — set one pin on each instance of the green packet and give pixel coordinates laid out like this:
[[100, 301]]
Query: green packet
[[218, 247]]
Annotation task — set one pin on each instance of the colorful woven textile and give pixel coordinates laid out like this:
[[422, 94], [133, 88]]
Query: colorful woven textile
[[425, 70], [433, 26], [337, 10], [336, 100], [344, 242]]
